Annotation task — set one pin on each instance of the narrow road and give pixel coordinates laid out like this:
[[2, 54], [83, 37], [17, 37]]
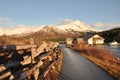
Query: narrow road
[[76, 67]]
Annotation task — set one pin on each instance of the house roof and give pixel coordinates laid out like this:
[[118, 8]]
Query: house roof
[[89, 36]]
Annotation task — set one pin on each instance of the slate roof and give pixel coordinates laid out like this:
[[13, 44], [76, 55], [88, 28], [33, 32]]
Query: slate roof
[[91, 35], [88, 36]]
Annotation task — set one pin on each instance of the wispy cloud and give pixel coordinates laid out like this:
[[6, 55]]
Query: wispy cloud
[[65, 21], [5, 21], [99, 24], [105, 26]]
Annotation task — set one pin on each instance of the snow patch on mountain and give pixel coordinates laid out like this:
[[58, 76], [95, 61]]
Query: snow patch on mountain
[[76, 26]]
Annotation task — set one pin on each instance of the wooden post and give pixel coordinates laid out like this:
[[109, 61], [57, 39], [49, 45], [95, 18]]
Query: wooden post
[[33, 50], [33, 53]]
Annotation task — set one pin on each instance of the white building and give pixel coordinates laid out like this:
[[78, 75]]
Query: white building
[[69, 42], [80, 40], [94, 39]]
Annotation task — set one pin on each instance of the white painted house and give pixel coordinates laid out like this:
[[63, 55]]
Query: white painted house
[[94, 39]]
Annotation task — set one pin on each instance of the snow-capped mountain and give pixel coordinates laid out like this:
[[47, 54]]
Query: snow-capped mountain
[[74, 26]]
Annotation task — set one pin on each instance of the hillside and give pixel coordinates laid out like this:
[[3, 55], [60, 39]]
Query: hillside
[[111, 35]]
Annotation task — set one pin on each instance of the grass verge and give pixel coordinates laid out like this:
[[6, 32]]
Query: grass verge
[[103, 58]]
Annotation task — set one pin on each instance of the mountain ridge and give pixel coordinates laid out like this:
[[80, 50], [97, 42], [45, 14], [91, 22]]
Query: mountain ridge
[[72, 26]]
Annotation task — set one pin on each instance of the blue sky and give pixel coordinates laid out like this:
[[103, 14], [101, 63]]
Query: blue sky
[[97, 13]]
